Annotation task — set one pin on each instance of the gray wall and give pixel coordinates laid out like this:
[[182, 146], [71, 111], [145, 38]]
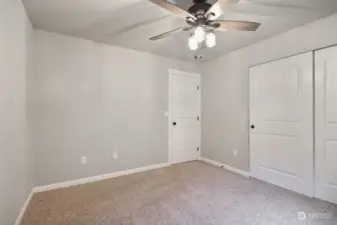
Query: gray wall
[[225, 99], [15, 160], [90, 99]]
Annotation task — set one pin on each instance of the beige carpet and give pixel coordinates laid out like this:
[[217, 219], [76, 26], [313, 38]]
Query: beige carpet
[[189, 194]]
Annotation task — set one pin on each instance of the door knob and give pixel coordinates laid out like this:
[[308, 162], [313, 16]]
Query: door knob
[[174, 123], [252, 126]]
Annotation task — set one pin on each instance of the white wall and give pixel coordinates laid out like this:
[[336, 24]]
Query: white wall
[[90, 99], [16, 178], [225, 99]]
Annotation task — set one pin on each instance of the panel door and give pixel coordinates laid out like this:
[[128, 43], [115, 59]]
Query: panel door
[[281, 117], [326, 124], [184, 116]]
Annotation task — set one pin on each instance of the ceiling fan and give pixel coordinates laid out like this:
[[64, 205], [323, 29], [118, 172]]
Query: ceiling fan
[[202, 16]]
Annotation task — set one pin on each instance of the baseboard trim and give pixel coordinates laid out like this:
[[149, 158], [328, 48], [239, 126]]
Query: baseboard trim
[[97, 178], [226, 167], [24, 208]]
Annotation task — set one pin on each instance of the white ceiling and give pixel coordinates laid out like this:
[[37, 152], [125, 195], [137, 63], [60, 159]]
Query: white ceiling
[[130, 23]]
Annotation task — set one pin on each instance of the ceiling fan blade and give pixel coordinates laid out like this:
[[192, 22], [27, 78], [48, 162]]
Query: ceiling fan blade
[[169, 33], [174, 9], [219, 7], [224, 25]]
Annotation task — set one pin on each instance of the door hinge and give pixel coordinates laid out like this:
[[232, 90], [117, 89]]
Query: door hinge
[[198, 88], [197, 149], [198, 118]]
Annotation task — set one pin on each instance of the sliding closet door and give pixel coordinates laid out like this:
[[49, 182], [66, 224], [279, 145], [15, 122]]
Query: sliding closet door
[[326, 124], [281, 117]]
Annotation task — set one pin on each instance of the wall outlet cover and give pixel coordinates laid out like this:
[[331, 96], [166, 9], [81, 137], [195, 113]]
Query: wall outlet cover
[[84, 160], [235, 153], [115, 155]]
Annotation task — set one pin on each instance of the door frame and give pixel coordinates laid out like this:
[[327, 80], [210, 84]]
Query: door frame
[[171, 72]]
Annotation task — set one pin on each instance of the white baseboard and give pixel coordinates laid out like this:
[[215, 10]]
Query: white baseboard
[[226, 167], [97, 178], [24, 208]]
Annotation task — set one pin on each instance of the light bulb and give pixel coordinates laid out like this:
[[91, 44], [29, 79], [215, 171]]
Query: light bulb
[[210, 40], [193, 43], [200, 34]]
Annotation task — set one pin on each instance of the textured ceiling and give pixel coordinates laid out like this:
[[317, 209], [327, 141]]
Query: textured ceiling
[[129, 23]]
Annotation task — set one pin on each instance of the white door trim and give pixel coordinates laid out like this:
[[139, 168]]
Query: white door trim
[[171, 72]]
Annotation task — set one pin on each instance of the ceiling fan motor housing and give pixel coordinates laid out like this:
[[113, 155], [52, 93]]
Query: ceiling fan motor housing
[[200, 7]]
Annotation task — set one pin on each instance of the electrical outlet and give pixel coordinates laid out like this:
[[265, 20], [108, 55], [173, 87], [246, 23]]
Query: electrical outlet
[[115, 155], [235, 152], [84, 160], [166, 113]]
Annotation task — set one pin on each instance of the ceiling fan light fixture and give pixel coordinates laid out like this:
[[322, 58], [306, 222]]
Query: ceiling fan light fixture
[[210, 40], [202, 18], [193, 43], [200, 34]]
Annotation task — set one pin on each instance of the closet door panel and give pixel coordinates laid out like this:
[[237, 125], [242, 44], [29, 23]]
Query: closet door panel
[[326, 124], [281, 117]]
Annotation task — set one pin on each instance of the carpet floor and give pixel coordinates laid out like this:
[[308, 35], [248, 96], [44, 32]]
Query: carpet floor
[[191, 193]]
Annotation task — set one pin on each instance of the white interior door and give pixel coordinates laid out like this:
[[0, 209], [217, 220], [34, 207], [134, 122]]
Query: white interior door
[[326, 124], [184, 116], [281, 109]]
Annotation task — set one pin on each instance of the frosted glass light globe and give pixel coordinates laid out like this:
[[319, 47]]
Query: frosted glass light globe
[[193, 43], [199, 34], [210, 40]]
